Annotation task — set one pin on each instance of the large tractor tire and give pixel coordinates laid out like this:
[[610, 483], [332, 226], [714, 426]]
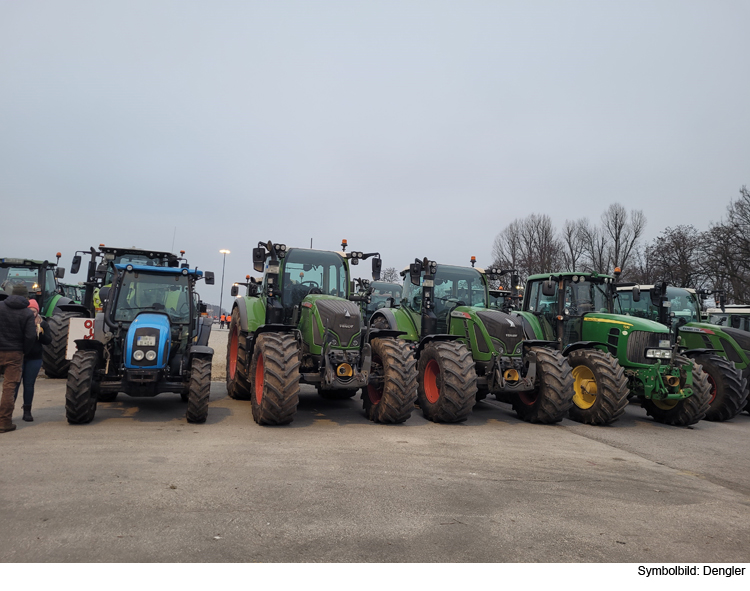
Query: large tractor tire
[[600, 387], [275, 370], [53, 355], [728, 387], [392, 391], [238, 384], [80, 392], [337, 394], [687, 411], [199, 390], [447, 382], [553, 396]]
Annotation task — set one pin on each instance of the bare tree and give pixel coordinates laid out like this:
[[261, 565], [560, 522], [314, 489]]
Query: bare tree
[[595, 247], [391, 275], [529, 245], [623, 231], [676, 257], [574, 243]]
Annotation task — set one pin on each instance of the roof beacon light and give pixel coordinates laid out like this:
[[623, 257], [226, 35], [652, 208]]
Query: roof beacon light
[[343, 244], [473, 260]]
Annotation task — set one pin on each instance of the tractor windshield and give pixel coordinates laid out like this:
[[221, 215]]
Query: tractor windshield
[[41, 284], [682, 303], [312, 271], [162, 292], [382, 294], [457, 286]]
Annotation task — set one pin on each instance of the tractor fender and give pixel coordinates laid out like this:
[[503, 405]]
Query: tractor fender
[[240, 307], [70, 306], [91, 345], [201, 351], [376, 333], [389, 317], [540, 343], [433, 338], [588, 345], [696, 352]]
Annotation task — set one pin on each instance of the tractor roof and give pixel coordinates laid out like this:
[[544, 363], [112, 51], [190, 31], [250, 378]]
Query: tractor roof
[[624, 286], [161, 270], [7, 262], [133, 250], [566, 274], [730, 309]]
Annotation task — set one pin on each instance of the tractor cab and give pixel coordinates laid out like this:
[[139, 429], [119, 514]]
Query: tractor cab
[[39, 277], [668, 305], [735, 316]]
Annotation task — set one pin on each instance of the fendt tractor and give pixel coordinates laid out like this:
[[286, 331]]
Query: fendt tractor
[[722, 351], [466, 350], [40, 278], [151, 337], [72, 291], [382, 294], [612, 355], [302, 324]]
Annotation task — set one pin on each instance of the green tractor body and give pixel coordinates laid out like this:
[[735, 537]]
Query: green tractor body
[[382, 294], [303, 324], [73, 292], [467, 350], [613, 355], [722, 351], [40, 278], [151, 337]]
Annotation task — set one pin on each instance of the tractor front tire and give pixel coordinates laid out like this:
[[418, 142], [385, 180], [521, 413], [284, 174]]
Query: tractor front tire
[[600, 387], [199, 390], [238, 384], [275, 371], [53, 355], [447, 382], [81, 390], [728, 387], [553, 396], [687, 411], [392, 400]]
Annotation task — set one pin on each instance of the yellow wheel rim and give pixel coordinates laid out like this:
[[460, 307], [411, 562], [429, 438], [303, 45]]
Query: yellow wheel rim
[[665, 404], [584, 386]]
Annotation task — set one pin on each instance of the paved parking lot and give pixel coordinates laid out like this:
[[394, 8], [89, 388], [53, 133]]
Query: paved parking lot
[[140, 484]]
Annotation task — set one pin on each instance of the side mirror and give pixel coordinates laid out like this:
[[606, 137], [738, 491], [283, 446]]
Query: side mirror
[[636, 293], [209, 276], [59, 272], [656, 296], [235, 291], [104, 293], [722, 300], [415, 273], [377, 264], [75, 266], [549, 288], [515, 280], [101, 271], [259, 259], [252, 289], [203, 308]]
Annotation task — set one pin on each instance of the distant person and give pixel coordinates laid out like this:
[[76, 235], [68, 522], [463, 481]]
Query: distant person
[[32, 361], [17, 337], [223, 319]]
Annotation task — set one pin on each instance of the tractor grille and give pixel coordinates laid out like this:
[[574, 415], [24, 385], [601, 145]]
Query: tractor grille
[[333, 313], [503, 327], [639, 341]]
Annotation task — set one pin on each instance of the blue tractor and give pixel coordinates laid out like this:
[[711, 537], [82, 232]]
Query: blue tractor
[[151, 337]]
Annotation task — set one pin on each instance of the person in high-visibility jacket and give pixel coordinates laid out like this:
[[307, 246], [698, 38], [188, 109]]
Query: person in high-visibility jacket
[[223, 319], [229, 319]]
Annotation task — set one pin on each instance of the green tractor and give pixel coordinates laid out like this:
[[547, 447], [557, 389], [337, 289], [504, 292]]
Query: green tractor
[[722, 351], [378, 294], [73, 291], [302, 324], [613, 355], [730, 315], [466, 350], [40, 278]]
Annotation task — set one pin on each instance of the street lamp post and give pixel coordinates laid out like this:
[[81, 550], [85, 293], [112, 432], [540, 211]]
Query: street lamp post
[[224, 264]]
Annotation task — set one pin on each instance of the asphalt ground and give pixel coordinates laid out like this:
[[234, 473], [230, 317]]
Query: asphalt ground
[[140, 484]]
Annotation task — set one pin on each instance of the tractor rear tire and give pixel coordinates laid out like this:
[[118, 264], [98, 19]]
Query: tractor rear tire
[[53, 355], [337, 394], [393, 401], [447, 382], [81, 390], [275, 371], [687, 411], [199, 391], [600, 387], [553, 396], [238, 384], [728, 387]]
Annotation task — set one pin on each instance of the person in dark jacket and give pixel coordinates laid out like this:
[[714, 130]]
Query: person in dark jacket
[[32, 361], [17, 337]]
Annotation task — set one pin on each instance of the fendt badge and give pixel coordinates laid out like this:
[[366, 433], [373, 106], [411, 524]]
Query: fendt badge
[[346, 326]]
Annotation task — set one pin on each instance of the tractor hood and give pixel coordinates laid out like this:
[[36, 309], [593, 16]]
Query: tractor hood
[[150, 334], [502, 328], [332, 319], [623, 322]]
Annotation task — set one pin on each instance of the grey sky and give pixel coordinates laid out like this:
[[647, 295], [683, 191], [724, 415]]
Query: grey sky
[[412, 128]]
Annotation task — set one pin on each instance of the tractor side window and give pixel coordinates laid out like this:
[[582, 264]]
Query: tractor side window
[[50, 285]]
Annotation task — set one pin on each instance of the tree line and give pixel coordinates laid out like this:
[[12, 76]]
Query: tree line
[[717, 258]]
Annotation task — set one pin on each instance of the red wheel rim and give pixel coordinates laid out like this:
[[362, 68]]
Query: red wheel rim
[[431, 373], [528, 398], [259, 379], [713, 389], [233, 348], [374, 393]]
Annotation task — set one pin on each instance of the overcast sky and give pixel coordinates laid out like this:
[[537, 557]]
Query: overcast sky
[[411, 128]]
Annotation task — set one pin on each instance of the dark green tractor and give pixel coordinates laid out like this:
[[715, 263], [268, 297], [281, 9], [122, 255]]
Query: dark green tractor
[[613, 355], [40, 278], [467, 350], [376, 295], [302, 324], [722, 351]]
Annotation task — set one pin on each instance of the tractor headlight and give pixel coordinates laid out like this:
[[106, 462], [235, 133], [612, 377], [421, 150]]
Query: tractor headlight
[[138, 355], [659, 353], [151, 355]]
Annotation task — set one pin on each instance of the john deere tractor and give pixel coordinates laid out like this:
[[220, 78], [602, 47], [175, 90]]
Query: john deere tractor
[[302, 324], [151, 337], [613, 355], [40, 278], [466, 350], [722, 351]]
